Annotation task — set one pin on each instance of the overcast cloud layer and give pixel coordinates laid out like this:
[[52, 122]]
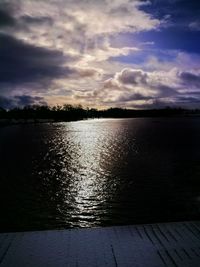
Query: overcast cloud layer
[[108, 53]]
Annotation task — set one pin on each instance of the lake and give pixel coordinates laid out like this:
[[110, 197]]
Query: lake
[[99, 172]]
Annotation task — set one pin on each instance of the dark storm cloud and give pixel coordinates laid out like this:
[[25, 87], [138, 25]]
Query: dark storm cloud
[[25, 100], [20, 101], [133, 97], [194, 93], [154, 104], [21, 62], [187, 99], [6, 19], [36, 20], [166, 91], [6, 103], [190, 79], [135, 77]]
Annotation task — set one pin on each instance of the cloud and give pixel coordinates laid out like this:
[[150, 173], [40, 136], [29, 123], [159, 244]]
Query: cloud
[[132, 76], [127, 79], [25, 100], [136, 86], [88, 73], [36, 20], [24, 63], [105, 52], [50, 43], [6, 19], [145, 89], [6, 103], [190, 79], [187, 100], [80, 21], [151, 104], [195, 26], [20, 101], [87, 51], [115, 16], [133, 97]]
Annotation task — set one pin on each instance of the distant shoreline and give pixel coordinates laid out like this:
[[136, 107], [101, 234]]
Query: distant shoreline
[[4, 122], [65, 113]]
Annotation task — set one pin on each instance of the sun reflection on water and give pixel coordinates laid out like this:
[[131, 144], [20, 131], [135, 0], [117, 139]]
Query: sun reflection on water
[[93, 154], [83, 170]]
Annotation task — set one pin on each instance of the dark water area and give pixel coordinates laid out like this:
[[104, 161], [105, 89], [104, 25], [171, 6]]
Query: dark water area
[[99, 173]]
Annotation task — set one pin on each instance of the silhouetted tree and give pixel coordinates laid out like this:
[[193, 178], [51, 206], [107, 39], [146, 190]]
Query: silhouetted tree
[[69, 112]]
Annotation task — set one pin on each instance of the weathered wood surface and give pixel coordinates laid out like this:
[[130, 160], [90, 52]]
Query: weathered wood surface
[[155, 245]]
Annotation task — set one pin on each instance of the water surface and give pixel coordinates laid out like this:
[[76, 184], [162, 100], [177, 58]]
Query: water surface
[[99, 172]]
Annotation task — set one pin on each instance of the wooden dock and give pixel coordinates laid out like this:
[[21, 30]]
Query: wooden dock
[[152, 245]]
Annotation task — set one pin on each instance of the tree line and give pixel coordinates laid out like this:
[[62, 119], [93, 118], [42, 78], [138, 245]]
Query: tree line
[[77, 112]]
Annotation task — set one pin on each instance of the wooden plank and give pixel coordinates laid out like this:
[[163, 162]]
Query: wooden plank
[[150, 245]]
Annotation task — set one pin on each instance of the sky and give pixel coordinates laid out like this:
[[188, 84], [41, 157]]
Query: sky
[[137, 54]]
